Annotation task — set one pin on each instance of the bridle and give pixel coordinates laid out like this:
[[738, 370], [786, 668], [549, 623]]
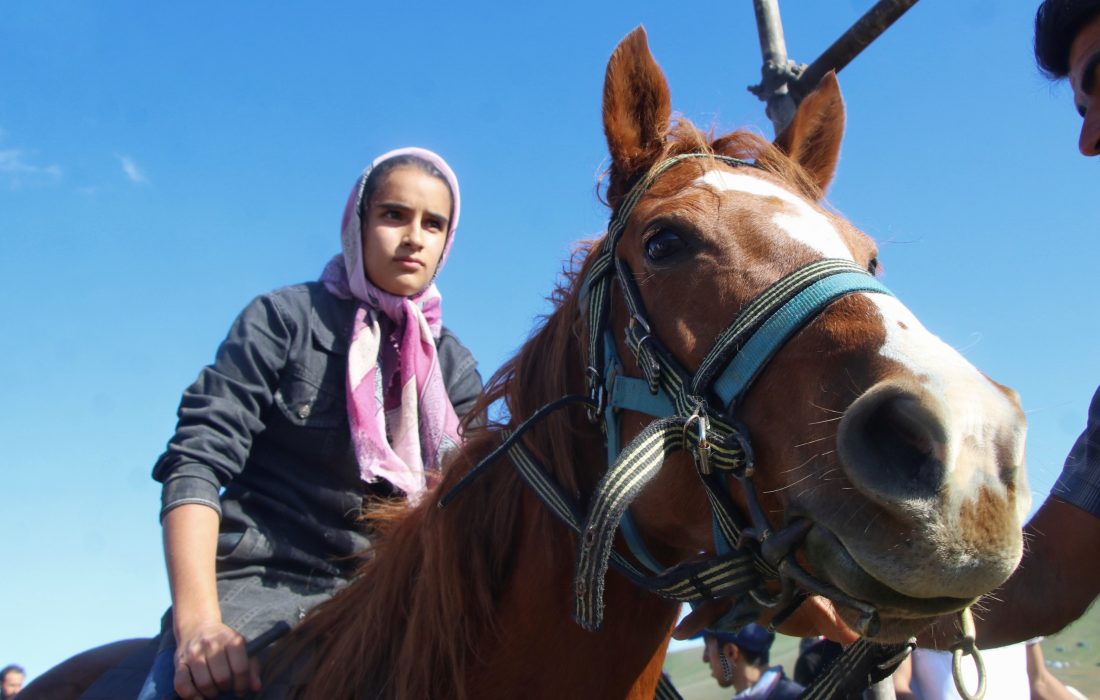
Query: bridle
[[693, 412]]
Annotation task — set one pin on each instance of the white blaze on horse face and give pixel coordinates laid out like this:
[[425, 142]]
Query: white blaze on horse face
[[970, 406], [799, 220]]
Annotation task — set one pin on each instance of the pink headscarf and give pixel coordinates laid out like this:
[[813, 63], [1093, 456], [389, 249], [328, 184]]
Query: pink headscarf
[[422, 426]]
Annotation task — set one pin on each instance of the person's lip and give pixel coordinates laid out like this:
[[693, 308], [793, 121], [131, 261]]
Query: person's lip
[[410, 263]]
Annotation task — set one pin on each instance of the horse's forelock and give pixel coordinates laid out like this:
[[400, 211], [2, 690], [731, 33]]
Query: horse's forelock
[[684, 137], [750, 146]]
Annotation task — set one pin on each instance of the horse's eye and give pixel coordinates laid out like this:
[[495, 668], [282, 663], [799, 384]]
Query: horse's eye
[[872, 266], [663, 244]]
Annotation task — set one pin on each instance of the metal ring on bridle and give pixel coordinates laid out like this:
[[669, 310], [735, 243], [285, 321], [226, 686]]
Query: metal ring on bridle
[[967, 646], [701, 445], [647, 362], [597, 393]]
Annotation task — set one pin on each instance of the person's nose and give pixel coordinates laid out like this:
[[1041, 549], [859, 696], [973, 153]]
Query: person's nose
[[706, 657], [1089, 143], [414, 235]]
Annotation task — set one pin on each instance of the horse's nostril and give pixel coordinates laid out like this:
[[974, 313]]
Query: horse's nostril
[[894, 446], [900, 435]]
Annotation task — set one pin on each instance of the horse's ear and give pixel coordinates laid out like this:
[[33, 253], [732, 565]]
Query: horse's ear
[[636, 110], [812, 139]]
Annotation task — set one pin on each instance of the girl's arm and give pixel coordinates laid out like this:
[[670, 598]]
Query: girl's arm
[[222, 411], [210, 657], [218, 417]]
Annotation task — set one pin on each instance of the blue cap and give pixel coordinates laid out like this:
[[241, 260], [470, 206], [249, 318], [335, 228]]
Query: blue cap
[[752, 638]]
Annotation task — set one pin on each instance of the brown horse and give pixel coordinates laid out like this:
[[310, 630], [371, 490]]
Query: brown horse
[[901, 461], [907, 460]]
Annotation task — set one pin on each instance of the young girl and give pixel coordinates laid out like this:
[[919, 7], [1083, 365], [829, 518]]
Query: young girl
[[323, 396]]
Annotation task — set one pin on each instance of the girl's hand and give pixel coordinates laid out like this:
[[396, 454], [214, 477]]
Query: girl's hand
[[210, 656], [211, 659]]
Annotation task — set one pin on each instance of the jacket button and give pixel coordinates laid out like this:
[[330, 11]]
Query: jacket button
[[303, 412]]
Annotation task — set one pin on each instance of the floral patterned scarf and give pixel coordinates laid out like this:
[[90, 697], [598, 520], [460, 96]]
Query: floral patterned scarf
[[402, 422]]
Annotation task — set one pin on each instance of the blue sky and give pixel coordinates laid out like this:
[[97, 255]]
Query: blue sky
[[163, 163]]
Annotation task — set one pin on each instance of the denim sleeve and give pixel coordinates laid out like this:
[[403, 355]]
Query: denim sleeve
[[221, 412], [459, 373], [1079, 482]]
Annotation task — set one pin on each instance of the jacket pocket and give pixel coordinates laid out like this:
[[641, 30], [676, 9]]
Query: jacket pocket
[[306, 404], [237, 546]]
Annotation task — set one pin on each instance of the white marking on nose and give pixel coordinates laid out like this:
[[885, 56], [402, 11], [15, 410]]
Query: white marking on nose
[[938, 365], [800, 221]]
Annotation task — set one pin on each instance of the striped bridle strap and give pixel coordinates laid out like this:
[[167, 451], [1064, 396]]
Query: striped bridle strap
[[755, 553], [729, 576], [860, 666], [597, 283]]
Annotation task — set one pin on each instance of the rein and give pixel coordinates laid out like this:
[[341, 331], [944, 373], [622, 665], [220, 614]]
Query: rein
[[749, 554]]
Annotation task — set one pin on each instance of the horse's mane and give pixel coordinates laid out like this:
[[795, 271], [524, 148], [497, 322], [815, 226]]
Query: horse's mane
[[409, 624], [412, 622]]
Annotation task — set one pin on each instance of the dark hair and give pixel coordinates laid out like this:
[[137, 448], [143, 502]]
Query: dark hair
[[10, 668], [1057, 23], [378, 173], [758, 659]]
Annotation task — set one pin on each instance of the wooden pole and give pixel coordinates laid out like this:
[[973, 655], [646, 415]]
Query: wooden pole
[[858, 37]]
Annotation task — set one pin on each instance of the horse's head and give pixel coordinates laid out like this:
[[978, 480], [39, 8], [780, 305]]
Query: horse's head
[[903, 462]]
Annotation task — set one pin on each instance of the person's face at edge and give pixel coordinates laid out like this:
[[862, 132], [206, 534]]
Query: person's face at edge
[[13, 683], [1084, 78], [405, 230]]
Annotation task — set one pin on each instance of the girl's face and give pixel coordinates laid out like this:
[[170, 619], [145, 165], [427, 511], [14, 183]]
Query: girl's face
[[405, 230]]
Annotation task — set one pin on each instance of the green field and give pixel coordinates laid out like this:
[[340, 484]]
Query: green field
[[1078, 647]]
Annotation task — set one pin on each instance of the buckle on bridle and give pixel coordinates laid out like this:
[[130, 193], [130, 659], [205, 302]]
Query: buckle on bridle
[[699, 443], [646, 362], [597, 393]]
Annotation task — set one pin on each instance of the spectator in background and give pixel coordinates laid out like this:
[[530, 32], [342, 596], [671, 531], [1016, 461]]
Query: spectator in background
[[1044, 685], [740, 659], [11, 681]]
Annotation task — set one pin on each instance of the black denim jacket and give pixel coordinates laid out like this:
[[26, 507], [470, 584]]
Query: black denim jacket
[[263, 436]]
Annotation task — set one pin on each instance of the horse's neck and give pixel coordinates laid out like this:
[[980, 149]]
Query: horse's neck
[[536, 650], [540, 652]]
